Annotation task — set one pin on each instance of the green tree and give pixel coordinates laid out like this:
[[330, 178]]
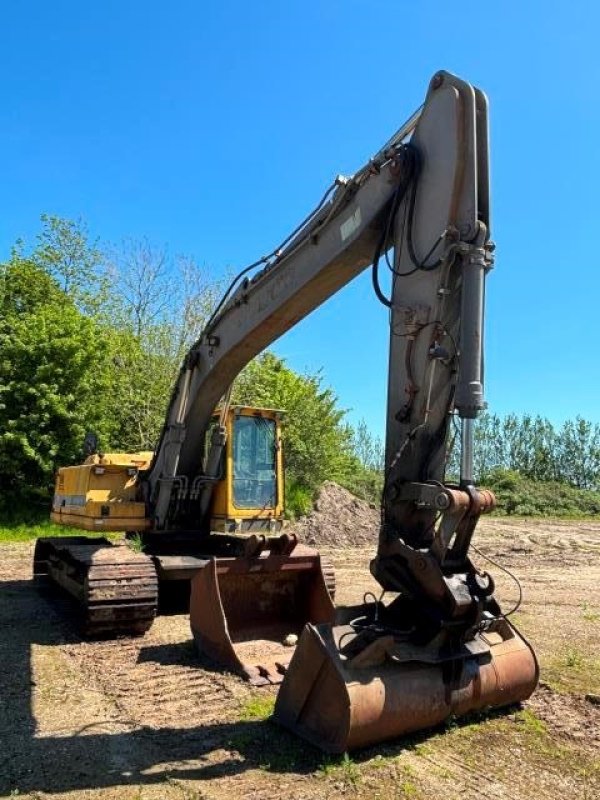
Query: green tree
[[366, 479], [141, 373], [534, 449], [317, 442], [158, 309], [64, 251], [578, 453], [52, 379]]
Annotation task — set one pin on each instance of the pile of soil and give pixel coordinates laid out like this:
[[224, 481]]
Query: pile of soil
[[338, 519]]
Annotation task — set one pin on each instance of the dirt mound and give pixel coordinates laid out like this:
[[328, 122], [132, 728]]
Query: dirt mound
[[339, 519]]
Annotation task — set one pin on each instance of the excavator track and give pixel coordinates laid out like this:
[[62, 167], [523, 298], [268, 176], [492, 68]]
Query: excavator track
[[329, 576], [116, 588]]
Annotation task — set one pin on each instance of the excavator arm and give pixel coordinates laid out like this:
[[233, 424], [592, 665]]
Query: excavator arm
[[334, 245], [427, 186]]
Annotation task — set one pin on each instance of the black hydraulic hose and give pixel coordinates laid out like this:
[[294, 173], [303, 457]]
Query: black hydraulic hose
[[266, 259], [407, 165]]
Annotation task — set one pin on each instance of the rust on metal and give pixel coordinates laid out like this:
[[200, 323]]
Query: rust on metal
[[339, 707], [243, 611]]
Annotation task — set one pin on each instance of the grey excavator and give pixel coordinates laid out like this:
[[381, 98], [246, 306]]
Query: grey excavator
[[436, 643]]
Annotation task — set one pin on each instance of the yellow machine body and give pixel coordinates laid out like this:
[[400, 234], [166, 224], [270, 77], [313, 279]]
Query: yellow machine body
[[251, 584], [103, 493]]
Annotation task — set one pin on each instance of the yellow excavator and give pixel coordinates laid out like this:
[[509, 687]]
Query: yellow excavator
[[440, 645], [257, 586]]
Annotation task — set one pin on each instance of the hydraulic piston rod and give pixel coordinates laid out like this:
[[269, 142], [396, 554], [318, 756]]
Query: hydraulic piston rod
[[466, 453]]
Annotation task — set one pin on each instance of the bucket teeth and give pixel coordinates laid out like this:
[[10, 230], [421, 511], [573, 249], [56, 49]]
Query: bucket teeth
[[339, 708]]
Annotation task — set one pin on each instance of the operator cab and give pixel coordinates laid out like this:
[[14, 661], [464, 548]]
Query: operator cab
[[249, 496]]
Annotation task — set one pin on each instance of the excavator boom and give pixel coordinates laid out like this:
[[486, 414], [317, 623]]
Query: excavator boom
[[333, 246]]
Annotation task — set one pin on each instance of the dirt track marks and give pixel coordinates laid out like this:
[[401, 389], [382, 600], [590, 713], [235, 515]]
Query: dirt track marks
[[159, 683]]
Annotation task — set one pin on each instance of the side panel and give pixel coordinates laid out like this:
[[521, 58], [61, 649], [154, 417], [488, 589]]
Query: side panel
[[98, 497]]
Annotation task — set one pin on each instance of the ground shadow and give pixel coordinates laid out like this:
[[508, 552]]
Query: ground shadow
[[182, 654], [95, 757]]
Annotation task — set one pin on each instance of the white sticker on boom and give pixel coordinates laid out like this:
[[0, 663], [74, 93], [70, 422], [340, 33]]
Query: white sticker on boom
[[352, 223]]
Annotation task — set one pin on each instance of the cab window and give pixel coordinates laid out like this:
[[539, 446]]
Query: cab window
[[254, 462]]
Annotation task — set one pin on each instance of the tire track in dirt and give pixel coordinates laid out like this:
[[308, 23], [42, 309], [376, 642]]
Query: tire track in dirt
[[499, 777], [522, 542], [156, 688]]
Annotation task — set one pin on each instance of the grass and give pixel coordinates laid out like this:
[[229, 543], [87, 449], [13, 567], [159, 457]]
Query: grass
[[256, 708], [136, 543], [28, 532], [574, 658], [588, 614], [408, 789], [343, 769], [531, 722], [22, 532], [525, 730], [573, 671]]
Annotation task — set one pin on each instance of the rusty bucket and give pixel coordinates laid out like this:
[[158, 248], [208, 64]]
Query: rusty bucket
[[339, 708], [246, 613]]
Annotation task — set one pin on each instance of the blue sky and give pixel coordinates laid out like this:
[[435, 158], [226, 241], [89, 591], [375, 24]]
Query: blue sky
[[213, 128]]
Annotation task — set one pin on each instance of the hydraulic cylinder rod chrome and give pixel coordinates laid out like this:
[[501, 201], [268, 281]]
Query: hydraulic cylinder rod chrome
[[466, 452]]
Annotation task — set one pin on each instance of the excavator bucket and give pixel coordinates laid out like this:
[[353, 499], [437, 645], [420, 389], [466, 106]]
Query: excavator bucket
[[247, 613], [340, 704]]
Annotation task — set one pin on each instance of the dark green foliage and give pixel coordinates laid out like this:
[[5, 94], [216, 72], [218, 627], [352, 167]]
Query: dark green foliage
[[318, 445], [298, 499], [519, 495], [25, 287], [141, 380], [52, 380]]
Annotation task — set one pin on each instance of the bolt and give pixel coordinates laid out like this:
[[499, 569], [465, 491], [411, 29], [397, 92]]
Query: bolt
[[442, 501]]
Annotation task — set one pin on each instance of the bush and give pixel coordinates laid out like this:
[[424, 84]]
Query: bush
[[298, 499], [518, 495], [365, 483]]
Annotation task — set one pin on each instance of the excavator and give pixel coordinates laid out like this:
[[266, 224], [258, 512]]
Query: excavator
[[257, 585], [436, 642]]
